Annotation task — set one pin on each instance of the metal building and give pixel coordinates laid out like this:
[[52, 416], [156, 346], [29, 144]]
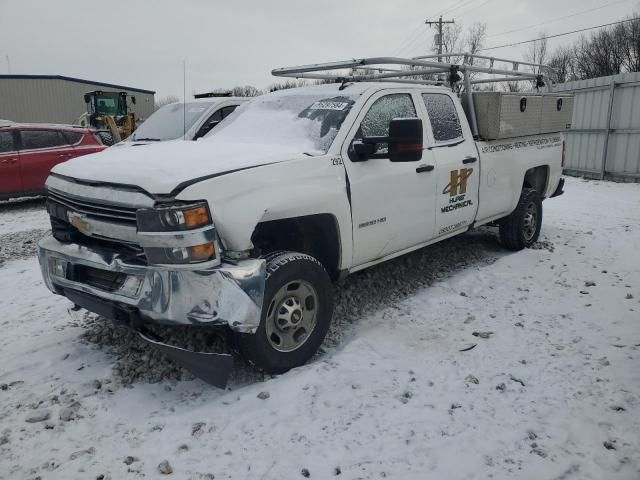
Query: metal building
[[604, 140], [58, 99]]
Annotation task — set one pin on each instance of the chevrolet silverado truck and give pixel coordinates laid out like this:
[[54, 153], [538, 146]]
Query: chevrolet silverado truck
[[248, 229]]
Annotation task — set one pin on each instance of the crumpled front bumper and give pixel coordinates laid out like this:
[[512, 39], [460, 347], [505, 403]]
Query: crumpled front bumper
[[228, 294]]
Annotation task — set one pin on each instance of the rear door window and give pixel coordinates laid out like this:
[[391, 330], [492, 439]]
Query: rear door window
[[443, 116], [6, 142], [72, 137], [226, 111], [38, 139]]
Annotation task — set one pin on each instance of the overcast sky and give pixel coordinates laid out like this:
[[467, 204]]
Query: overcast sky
[[142, 43]]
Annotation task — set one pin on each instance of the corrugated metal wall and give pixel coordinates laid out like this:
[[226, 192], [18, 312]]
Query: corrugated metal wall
[[604, 140], [55, 100]]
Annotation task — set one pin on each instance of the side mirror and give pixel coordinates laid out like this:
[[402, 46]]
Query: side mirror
[[87, 98], [404, 143], [133, 99], [361, 151], [405, 140]]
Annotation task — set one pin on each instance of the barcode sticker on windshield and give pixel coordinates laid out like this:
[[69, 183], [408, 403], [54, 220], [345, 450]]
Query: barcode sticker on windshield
[[329, 106]]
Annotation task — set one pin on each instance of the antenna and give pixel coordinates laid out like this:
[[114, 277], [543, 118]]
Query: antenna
[[184, 98]]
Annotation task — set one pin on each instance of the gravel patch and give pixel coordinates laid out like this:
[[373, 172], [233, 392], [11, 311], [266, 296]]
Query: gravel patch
[[135, 361], [18, 245]]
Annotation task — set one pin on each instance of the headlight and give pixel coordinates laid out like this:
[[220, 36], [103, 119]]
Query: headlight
[[174, 218], [175, 235]]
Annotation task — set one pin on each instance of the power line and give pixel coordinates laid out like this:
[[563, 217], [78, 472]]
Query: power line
[[557, 19], [559, 34], [477, 7], [456, 7], [409, 38]]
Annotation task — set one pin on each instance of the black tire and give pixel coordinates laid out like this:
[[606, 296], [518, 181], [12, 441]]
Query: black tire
[[516, 230], [285, 269], [106, 138]]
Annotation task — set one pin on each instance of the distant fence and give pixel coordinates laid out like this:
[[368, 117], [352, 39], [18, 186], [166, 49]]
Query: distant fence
[[604, 140]]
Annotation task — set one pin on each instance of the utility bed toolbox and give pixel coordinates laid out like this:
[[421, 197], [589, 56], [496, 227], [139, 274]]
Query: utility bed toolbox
[[507, 115]]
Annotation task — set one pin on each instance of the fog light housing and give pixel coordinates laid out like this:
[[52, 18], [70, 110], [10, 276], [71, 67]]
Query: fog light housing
[[58, 267], [131, 286]]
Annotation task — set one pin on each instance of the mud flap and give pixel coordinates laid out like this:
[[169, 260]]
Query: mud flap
[[213, 368]]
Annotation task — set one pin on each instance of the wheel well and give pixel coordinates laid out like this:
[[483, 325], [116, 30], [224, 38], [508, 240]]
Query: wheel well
[[536, 178], [315, 235]]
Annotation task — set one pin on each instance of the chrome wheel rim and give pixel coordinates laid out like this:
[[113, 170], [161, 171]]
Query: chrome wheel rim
[[291, 316], [530, 222]]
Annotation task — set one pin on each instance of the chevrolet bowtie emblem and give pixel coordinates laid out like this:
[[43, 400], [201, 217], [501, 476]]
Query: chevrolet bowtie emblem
[[79, 221]]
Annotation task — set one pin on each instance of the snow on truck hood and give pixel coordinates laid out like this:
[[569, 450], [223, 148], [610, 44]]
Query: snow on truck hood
[[160, 168]]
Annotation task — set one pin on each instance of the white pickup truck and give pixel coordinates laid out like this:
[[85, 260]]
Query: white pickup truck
[[248, 228]]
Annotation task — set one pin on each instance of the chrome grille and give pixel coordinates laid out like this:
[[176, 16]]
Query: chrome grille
[[88, 207]]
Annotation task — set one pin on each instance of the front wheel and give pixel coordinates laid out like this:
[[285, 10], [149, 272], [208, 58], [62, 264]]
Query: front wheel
[[522, 228], [296, 313]]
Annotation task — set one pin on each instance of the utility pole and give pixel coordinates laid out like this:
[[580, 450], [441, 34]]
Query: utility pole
[[439, 23]]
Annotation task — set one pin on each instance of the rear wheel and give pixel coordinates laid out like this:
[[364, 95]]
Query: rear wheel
[[522, 228], [296, 313]]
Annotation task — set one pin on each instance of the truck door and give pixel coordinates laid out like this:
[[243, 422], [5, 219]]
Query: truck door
[[457, 164], [392, 204], [10, 181], [40, 151]]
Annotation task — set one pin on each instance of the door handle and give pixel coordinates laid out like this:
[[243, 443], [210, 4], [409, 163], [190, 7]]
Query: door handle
[[469, 160], [8, 160], [424, 168]]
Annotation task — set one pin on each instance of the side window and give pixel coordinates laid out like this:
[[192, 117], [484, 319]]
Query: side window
[[443, 116], [6, 142], [376, 121], [216, 117], [209, 123], [33, 139], [226, 111], [72, 137]]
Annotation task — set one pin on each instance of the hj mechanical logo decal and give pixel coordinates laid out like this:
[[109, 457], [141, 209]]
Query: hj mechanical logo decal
[[457, 190]]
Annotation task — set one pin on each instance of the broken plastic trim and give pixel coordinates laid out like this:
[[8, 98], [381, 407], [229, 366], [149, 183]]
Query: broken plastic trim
[[213, 368]]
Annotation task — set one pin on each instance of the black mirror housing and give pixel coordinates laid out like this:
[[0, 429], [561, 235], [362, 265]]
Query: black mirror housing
[[361, 151], [405, 140]]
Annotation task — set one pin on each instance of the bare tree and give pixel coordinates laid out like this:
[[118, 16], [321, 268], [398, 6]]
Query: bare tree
[[474, 37], [166, 100], [289, 83], [562, 60], [245, 91], [451, 41], [537, 52]]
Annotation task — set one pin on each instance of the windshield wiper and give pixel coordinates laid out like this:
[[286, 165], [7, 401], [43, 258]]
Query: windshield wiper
[[147, 140]]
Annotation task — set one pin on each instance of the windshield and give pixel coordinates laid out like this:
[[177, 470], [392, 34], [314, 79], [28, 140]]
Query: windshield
[[305, 121], [168, 122]]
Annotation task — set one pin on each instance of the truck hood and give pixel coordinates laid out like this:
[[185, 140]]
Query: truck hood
[[160, 168]]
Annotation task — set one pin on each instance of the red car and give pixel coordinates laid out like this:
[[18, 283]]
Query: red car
[[28, 152]]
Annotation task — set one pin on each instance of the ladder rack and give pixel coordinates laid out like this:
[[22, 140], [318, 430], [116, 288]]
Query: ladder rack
[[459, 71]]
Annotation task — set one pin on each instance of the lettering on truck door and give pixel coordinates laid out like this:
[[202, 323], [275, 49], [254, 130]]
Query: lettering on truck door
[[457, 165], [391, 203]]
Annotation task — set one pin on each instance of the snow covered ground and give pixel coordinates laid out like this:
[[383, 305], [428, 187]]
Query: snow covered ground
[[552, 393]]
